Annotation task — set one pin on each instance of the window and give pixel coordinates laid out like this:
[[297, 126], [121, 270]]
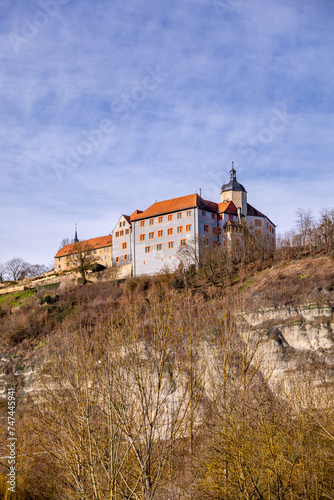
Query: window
[[142, 237], [159, 246], [179, 215], [94, 251], [160, 220], [123, 223], [170, 217], [170, 231], [151, 236], [117, 259], [142, 223], [188, 227], [127, 231], [59, 266], [125, 257], [160, 234], [147, 249], [206, 228], [220, 216], [180, 229], [205, 241], [216, 230], [151, 222], [120, 224], [183, 243], [117, 234], [213, 216], [106, 249], [188, 213], [203, 213], [124, 245], [230, 217], [257, 222], [171, 244], [121, 233]]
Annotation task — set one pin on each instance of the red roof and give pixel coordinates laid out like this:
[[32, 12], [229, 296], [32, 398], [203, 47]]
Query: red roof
[[136, 212], [127, 218], [256, 213], [93, 243], [175, 205], [228, 207], [253, 212]]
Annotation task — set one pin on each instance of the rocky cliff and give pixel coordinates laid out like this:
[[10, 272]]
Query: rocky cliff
[[295, 343]]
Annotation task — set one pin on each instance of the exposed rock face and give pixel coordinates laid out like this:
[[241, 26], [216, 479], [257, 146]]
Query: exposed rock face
[[305, 327], [290, 342], [294, 341]]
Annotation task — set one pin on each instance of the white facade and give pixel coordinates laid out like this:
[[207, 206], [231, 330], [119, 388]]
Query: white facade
[[122, 243], [152, 240]]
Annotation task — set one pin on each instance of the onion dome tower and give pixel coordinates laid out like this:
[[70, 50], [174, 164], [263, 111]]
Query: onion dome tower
[[234, 191]]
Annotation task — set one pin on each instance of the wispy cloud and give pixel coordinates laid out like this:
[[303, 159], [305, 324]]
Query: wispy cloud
[[234, 69]]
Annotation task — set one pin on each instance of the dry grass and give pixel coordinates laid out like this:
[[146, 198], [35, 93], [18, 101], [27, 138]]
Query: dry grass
[[310, 279]]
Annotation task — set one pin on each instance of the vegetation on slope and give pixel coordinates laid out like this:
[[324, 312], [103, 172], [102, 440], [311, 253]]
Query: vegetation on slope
[[147, 388]]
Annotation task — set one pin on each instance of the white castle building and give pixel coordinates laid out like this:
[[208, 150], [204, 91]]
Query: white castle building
[[147, 241], [152, 239]]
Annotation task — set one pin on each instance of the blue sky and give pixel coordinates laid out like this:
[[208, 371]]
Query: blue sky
[[109, 106]]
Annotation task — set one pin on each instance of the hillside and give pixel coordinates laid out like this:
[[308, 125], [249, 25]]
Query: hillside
[[263, 337], [29, 319], [310, 279]]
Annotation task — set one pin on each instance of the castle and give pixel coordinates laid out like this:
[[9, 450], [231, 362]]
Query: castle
[[147, 241]]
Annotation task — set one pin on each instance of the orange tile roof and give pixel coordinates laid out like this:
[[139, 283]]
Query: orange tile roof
[[93, 243], [135, 213], [175, 205], [228, 207]]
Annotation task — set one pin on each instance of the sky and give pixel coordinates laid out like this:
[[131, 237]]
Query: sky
[[107, 107]]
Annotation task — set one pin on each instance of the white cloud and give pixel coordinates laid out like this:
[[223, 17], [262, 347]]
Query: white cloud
[[224, 77]]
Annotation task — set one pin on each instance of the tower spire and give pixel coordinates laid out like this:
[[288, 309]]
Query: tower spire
[[76, 234], [233, 173]]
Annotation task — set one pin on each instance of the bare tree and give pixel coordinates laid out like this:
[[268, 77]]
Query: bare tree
[[325, 229], [63, 243], [3, 272], [117, 404], [83, 258], [36, 270], [17, 268], [157, 397], [305, 226]]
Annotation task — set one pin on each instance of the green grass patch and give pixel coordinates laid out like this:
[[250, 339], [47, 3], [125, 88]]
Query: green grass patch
[[16, 299]]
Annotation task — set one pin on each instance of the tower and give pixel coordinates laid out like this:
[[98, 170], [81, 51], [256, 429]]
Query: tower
[[234, 191], [76, 235]]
